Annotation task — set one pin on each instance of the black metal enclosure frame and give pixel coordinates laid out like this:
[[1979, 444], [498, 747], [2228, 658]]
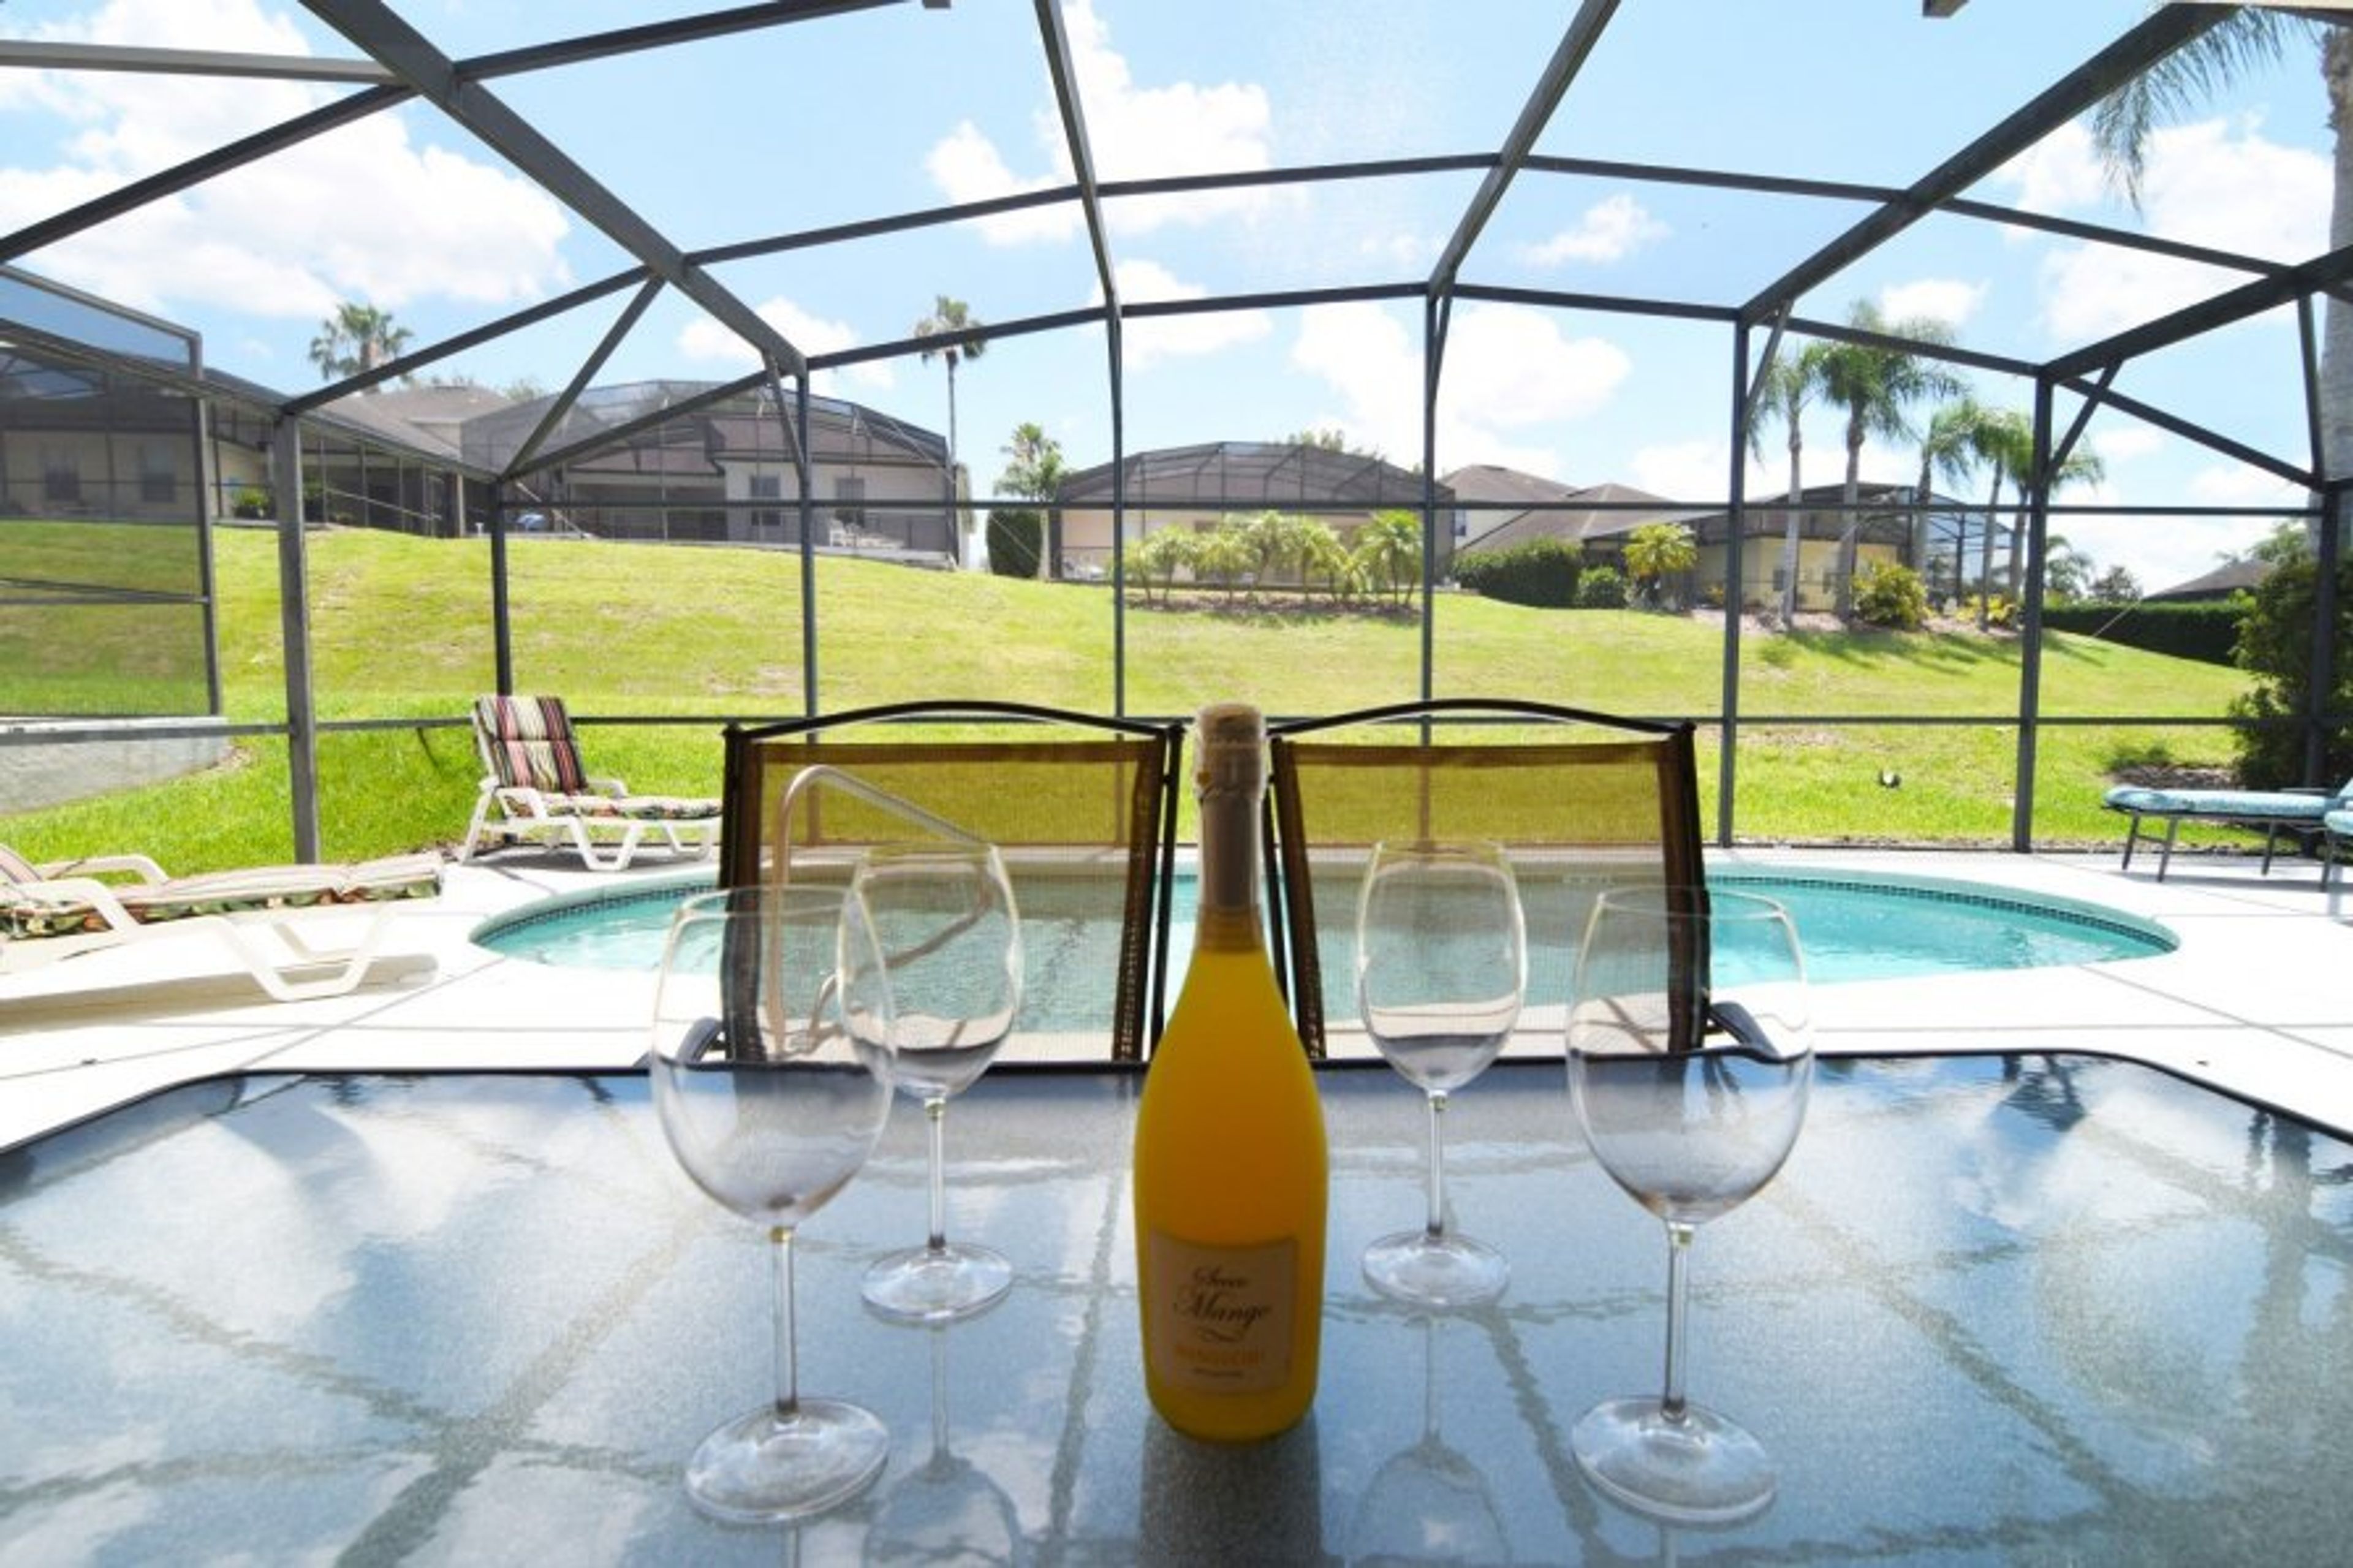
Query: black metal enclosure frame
[[397, 64]]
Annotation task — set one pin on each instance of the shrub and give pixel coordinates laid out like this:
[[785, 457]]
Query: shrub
[[1999, 611], [2275, 649], [1542, 573], [1601, 588], [251, 502], [1016, 537], [1892, 596], [2208, 633]]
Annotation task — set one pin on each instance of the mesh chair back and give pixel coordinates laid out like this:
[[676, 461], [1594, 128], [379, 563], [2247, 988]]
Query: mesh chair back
[[1580, 803], [527, 743], [1082, 807]]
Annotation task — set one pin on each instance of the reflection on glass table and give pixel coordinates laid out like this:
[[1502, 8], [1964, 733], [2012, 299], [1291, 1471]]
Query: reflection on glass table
[[1994, 1308]]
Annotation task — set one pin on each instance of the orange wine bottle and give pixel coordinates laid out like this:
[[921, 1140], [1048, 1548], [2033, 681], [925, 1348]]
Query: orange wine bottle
[[1229, 1157]]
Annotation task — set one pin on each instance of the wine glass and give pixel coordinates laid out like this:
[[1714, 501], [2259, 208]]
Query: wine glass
[[951, 941], [946, 1509], [1427, 1503], [1441, 964], [771, 1089], [1690, 1062]]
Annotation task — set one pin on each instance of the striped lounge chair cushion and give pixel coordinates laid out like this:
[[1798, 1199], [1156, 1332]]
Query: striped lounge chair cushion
[[531, 743], [30, 914]]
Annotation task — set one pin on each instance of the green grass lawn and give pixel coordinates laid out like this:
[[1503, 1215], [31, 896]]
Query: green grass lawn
[[401, 629]]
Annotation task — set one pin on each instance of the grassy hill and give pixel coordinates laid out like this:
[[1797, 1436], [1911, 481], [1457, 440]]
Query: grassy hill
[[401, 629]]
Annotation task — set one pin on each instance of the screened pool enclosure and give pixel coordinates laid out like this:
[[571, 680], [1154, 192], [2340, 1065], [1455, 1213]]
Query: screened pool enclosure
[[747, 206]]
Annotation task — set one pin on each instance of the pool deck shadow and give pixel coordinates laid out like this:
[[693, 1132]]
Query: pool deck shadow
[[2250, 1001]]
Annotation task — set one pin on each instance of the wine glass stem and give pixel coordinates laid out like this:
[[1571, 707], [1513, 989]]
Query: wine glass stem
[[1436, 1224], [1678, 1240], [788, 1370], [935, 1117]]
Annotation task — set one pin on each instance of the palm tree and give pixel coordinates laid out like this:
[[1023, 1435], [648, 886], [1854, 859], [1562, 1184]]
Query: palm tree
[[1951, 450], [1656, 552], [2005, 443], [1034, 471], [2253, 37], [1877, 386], [1388, 549], [354, 340], [1787, 387], [951, 318]]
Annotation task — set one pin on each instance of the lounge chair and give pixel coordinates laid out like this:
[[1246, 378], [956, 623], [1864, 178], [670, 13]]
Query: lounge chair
[[2336, 829], [267, 917], [535, 790], [2268, 812]]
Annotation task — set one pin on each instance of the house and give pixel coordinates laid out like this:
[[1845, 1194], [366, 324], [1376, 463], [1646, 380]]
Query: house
[[1198, 487], [724, 470], [1942, 540], [1497, 508], [2226, 581]]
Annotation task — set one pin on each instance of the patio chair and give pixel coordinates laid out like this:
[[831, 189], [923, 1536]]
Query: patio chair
[[1580, 802], [2294, 812], [2336, 831], [268, 917], [537, 790], [1082, 807]]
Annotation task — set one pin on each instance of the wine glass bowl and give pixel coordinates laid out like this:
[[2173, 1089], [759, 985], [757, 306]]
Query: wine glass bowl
[[1441, 967], [950, 934], [1690, 1067], [771, 1092]]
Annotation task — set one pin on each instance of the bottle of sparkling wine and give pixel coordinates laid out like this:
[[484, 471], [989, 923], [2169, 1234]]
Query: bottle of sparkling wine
[[1229, 1161]]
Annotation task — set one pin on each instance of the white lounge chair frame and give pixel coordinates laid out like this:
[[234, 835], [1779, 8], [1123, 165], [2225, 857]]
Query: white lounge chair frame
[[605, 840], [272, 945]]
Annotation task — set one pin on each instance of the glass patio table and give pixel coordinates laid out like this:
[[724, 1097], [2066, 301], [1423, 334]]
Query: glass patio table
[[1998, 1309]]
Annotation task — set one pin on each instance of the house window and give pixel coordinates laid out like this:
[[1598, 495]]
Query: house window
[[61, 474], [849, 500], [767, 487], [159, 477]]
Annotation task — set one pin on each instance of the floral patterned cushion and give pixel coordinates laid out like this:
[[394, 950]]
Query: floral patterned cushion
[[29, 912], [639, 807]]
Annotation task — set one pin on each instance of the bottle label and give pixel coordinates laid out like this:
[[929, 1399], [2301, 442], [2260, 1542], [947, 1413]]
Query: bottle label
[[1222, 1315]]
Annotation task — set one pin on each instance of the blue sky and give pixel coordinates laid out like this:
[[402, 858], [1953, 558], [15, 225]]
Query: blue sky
[[907, 108]]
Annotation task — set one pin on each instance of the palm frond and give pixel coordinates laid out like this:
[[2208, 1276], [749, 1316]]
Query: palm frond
[[2176, 86]]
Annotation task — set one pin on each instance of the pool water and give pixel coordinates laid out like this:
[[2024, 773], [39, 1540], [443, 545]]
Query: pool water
[[1852, 927]]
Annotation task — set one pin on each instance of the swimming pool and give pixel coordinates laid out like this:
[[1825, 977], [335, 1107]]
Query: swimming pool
[[1853, 928]]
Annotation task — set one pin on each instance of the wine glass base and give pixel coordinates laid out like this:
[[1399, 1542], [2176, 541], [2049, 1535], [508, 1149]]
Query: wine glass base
[[935, 1285], [759, 1468], [1701, 1470], [1425, 1270]]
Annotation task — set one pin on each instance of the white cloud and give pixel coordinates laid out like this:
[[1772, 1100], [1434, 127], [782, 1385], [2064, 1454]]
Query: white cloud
[[1695, 471], [2058, 173], [1608, 231], [2236, 484], [1947, 299], [1509, 374], [1136, 133], [289, 235], [2125, 443], [2217, 183], [1404, 251], [1148, 340], [967, 166], [706, 341]]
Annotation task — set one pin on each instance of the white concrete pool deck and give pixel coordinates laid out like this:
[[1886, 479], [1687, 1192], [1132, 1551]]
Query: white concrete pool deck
[[2255, 1000]]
